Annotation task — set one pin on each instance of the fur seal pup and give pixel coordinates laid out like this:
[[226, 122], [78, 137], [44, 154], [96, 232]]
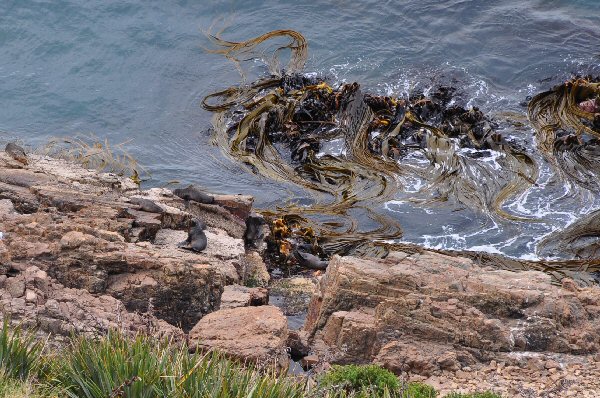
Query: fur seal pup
[[192, 192], [146, 205], [311, 261], [196, 240], [254, 234], [16, 152]]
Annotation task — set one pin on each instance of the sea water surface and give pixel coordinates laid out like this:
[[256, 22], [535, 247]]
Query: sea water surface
[[136, 71]]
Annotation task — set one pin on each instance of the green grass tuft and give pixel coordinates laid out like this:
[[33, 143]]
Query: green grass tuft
[[19, 352], [361, 381], [114, 366], [419, 390]]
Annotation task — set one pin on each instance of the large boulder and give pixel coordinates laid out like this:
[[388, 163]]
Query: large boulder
[[254, 334]]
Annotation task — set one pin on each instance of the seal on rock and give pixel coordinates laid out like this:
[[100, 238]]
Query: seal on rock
[[16, 152], [146, 205], [196, 240], [192, 192]]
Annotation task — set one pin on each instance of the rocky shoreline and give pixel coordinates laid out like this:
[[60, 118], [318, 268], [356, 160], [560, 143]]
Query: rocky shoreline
[[80, 254]]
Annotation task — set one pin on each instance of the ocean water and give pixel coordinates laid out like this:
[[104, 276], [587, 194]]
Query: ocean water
[[135, 71]]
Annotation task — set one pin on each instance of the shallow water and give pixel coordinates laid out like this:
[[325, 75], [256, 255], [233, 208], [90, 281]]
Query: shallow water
[[137, 71]]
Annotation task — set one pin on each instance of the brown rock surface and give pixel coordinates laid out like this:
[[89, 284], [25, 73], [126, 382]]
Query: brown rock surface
[[434, 316], [103, 258], [241, 296], [258, 334]]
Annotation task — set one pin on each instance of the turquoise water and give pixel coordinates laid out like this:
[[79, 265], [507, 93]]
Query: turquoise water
[[137, 71]]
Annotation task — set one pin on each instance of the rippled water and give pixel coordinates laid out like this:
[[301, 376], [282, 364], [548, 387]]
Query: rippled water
[[137, 70]]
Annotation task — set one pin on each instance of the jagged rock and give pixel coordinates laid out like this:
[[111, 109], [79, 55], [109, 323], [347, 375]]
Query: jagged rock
[[88, 243], [256, 334], [428, 313]]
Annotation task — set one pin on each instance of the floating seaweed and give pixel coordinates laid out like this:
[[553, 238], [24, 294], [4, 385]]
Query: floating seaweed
[[280, 125], [93, 153], [567, 123], [277, 126]]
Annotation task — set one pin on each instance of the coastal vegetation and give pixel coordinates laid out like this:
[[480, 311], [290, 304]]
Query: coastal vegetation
[[115, 365]]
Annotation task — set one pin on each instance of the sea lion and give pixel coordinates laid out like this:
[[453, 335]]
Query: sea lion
[[192, 192], [146, 205], [311, 261], [254, 233], [16, 152], [196, 240]]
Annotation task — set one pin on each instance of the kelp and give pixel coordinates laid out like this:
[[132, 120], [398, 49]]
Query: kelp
[[278, 125], [580, 240], [567, 123]]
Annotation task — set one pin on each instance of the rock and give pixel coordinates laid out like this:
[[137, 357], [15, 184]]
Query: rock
[[170, 237], [239, 205], [293, 295], [253, 271], [4, 253], [448, 361], [15, 287], [6, 206], [77, 245], [74, 239], [298, 344], [406, 313], [256, 334], [240, 296], [30, 296], [309, 361], [551, 364]]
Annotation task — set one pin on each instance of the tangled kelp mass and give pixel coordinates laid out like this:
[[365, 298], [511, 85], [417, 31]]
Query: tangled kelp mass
[[567, 122], [352, 151]]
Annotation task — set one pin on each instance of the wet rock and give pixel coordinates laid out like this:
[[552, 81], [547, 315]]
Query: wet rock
[[256, 334]]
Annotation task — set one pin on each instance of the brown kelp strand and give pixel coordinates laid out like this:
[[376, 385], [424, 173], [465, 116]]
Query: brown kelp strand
[[567, 123], [279, 125]]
